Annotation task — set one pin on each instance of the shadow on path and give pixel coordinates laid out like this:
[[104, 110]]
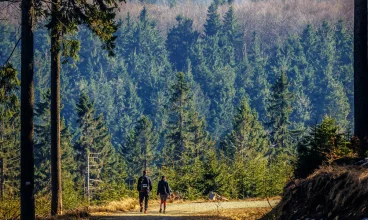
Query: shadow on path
[[158, 217]]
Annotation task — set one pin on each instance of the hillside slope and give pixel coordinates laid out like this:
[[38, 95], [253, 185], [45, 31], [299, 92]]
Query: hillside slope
[[338, 192]]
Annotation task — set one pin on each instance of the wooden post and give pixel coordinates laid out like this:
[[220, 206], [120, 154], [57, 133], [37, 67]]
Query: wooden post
[[360, 74], [27, 201], [2, 178], [88, 178]]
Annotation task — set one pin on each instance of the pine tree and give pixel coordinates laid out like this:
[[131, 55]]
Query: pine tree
[[42, 146], [148, 65], [63, 19], [185, 135], [309, 43], [178, 138], [199, 133], [222, 105], [42, 143], [211, 178], [93, 137], [247, 134], [139, 149], [338, 103], [315, 146], [260, 91], [344, 64], [279, 111], [201, 72], [233, 36], [213, 23], [179, 43], [9, 132], [299, 77]]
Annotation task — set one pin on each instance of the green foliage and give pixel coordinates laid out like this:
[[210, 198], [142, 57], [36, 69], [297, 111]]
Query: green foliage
[[247, 134], [232, 38], [139, 150], [98, 16], [279, 111], [94, 138], [10, 209], [186, 135], [191, 131], [319, 145], [9, 130], [212, 25], [180, 41]]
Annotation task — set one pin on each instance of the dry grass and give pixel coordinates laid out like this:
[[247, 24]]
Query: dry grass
[[331, 192], [235, 214], [9, 208], [182, 201], [77, 214], [116, 206]]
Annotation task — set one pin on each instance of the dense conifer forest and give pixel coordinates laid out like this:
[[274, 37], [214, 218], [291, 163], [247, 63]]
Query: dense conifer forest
[[217, 103]]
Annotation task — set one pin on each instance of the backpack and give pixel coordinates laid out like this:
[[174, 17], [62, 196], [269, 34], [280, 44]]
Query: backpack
[[144, 184]]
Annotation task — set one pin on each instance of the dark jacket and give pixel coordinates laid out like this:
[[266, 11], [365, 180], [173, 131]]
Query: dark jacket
[[144, 184], [163, 188]]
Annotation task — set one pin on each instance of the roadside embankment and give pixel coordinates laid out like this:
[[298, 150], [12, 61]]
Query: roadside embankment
[[332, 192]]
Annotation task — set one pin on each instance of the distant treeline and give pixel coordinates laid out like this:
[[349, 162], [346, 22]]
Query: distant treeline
[[218, 110]]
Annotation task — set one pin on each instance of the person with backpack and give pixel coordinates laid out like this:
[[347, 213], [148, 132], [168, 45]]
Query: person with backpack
[[144, 187], [164, 191]]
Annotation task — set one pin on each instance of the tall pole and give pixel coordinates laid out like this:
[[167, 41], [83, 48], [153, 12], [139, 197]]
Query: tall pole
[[26, 113], [360, 73], [2, 178], [88, 177], [56, 200]]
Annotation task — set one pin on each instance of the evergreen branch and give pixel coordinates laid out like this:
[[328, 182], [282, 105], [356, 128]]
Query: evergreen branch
[[11, 54]]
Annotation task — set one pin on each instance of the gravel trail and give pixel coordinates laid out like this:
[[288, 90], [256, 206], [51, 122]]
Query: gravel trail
[[183, 210]]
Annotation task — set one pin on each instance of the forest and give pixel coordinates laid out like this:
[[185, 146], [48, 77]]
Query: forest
[[216, 103]]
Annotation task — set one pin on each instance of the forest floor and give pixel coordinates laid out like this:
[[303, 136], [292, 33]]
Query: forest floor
[[196, 210]]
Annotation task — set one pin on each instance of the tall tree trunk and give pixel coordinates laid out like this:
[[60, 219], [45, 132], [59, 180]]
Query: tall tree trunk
[[360, 73], [27, 103], [56, 200], [2, 179]]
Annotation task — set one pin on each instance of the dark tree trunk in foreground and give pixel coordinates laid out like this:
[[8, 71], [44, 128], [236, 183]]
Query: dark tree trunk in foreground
[[56, 200], [360, 73], [27, 101]]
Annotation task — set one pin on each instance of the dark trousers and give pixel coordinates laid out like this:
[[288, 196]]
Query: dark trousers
[[143, 196]]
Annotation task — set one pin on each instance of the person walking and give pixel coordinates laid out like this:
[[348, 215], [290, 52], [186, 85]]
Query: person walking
[[144, 187], [164, 191]]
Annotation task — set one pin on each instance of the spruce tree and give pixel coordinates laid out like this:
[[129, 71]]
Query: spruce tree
[[63, 19], [42, 147], [344, 63], [179, 43], [178, 137], [232, 35], [309, 43], [279, 110], [93, 138], [213, 22], [248, 133], [260, 91], [185, 131], [9, 132], [148, 65], [314, 148], [140, 146], [42, 144]]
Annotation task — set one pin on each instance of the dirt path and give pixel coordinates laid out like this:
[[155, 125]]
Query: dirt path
[[183, 211]]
